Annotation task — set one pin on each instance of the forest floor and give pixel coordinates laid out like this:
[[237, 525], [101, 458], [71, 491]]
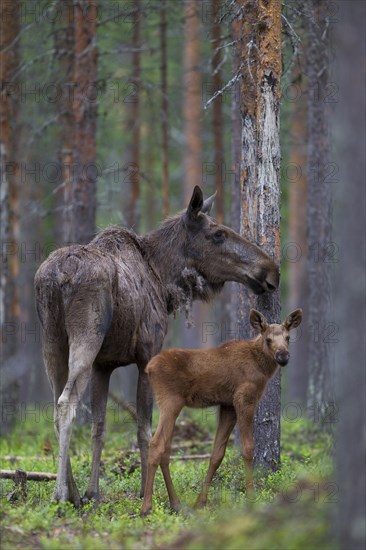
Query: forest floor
[[293, 508]]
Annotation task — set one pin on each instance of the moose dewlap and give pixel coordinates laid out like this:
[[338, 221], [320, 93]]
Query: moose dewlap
[[233, 376]]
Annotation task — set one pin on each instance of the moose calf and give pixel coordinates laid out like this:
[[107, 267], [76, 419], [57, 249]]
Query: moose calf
[[234, 376]]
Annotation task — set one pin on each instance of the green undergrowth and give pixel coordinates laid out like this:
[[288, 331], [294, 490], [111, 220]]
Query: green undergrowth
[[292, 507]]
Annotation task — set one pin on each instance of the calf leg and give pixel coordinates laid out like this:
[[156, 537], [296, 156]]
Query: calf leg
[[80, 364], [144, 420], [164, 465], [99, 398], [159, 446], [225, 426], [245, 407]]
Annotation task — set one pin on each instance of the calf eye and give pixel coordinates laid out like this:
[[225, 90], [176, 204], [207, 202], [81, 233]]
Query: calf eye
[[269, 341], [219, 236], [287, 338]]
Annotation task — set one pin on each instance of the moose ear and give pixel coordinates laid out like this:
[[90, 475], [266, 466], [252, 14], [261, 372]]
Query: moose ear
[[293, 319], [207, 204], [195, 204], [257, 320]]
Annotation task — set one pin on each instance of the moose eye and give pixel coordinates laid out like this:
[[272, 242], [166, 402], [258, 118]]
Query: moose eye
[[268, 341], [287, 338], [219, 236]]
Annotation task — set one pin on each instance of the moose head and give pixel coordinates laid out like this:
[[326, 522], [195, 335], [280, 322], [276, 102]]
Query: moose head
[[220, 254]]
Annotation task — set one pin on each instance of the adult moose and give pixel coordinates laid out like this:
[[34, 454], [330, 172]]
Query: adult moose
[[106, 305]]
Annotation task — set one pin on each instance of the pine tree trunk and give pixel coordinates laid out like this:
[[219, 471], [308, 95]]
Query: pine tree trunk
[[85, 116], [192, 105], [65, 49], [9, 124], [132, 215], [296, 250], [260, 185], [217, 120], [9, 202], [192, 154], [164, 110], [350, 129], [321, 251]]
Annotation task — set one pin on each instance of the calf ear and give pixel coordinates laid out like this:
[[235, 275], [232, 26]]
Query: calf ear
[[207, 204], [293, 319], [195, 204], [257, 320]]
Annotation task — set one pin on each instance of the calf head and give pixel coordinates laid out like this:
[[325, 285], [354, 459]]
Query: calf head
[[220, 254], [275, 336]]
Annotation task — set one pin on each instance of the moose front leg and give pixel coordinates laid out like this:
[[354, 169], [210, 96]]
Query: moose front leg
[[144, 420]]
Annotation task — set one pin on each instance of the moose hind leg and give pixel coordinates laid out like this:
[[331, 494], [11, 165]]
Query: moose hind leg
[[73, 492], [164, 465], [55, 360], [99, 398], [159, 455], [81, 359], [144, 421]]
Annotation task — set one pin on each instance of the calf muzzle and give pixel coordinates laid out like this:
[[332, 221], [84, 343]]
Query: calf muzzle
[[282, 358]]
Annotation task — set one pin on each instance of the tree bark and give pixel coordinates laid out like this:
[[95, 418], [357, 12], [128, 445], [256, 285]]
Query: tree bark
[[65, 51], [85, 116], [164, 109], [9, 124], [10, 309], [132, 215], [192, 105], [217, 120], [192, 129], [350, 524], [260, 185], [321, 250]]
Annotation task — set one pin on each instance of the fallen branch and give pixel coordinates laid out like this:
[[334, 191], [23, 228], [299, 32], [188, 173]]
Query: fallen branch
[[17, 458], [20, 478], [30, 476], [121, 402]]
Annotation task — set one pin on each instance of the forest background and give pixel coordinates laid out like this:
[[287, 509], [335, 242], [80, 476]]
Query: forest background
[[112, 111]]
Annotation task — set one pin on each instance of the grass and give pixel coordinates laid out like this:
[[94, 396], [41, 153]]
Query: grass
[[292, 508]]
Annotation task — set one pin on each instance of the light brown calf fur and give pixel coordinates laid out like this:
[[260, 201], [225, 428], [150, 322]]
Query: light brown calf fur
[[233, 376]]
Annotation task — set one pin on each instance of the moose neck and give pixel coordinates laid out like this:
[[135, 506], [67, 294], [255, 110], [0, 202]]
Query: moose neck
[[166, 255], [165, 250]]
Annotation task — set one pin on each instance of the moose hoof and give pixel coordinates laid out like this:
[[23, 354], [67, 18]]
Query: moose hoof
[[61, 497]]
